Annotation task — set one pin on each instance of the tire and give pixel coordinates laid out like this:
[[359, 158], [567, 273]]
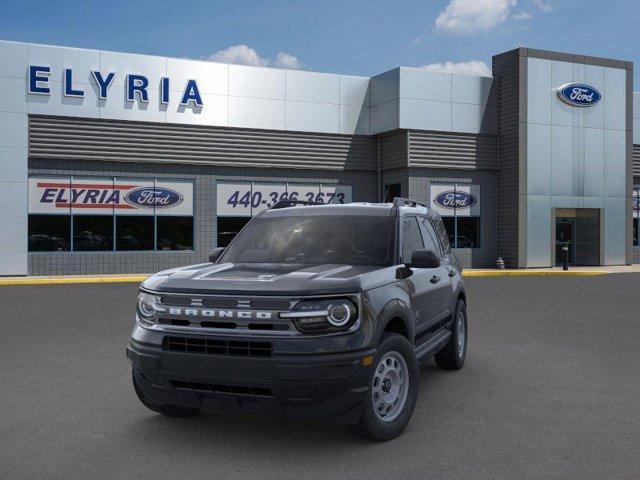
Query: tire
[[395, 355], [168, 410], [452, 356]]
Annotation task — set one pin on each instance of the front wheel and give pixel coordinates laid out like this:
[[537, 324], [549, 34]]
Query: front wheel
[[452, 356], [393, 390]]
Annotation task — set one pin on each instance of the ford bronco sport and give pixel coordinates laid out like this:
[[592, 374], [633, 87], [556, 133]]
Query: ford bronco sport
[[313, 311]]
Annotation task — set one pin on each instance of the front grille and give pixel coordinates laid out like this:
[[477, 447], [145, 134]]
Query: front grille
[[231, 389], [183, 322], [208, 346], [271, 303]]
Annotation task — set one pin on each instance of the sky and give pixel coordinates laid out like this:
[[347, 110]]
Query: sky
[[359, 37]]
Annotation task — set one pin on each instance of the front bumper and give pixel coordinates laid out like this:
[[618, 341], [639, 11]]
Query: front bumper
[[308, 386]]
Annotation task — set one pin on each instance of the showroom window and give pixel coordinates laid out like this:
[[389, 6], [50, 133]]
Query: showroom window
[[134, 233], [92, 233], [459, 206], [49, 233], [238, 202], [109, 214], [174, 233], [391, 191]]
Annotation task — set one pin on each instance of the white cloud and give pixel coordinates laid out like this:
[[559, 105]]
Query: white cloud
[[543, 5], [240, 54], [245, 55], [286, 60], [469, 16], [473, 67], [522, 16]]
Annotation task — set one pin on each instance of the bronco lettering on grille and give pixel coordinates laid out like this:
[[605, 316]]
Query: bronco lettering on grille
[[218, 313]]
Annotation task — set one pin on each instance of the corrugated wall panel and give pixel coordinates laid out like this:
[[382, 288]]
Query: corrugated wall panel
[[506, 70], [453, 150], [112, 140], [636, 160], [393, 150]]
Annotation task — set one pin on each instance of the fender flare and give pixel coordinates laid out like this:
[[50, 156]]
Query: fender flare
[[394, 309]]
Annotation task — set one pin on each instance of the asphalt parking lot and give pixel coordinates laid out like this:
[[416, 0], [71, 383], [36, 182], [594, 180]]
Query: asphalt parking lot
[[551, 389]]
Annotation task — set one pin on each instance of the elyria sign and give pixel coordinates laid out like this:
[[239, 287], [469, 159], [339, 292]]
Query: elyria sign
[[136, 86], [579, 95], [452, 200]]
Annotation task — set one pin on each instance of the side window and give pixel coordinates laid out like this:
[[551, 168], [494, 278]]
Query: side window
[[411, 238], [431, 241], [442, 234]]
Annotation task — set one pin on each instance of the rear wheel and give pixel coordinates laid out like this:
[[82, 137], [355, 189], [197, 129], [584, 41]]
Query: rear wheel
[[169, 410], [393, 390], [452, 356]]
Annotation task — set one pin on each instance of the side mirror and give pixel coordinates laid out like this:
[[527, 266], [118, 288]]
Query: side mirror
[[215, 254], [425, 259]]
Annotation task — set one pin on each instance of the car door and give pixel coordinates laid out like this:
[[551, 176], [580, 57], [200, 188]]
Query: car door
[[441, 295], [420, 282]]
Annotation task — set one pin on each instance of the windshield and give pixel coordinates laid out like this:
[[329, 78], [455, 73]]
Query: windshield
[[315, 240]]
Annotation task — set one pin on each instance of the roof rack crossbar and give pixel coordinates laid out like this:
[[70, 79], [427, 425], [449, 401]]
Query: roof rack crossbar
[[407, 202]]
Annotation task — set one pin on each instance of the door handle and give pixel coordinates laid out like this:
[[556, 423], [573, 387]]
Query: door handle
[[435, 279]]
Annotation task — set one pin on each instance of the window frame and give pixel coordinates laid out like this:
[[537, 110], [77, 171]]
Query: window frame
[[401, 218], [455, 216], [426, 223]]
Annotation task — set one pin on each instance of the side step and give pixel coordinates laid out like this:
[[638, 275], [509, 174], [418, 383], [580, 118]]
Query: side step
[[428, 348]]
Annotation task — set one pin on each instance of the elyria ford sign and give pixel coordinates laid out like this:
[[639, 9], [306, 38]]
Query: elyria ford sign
[[579, 95], [455, 200], [62, 195], [136, 86]]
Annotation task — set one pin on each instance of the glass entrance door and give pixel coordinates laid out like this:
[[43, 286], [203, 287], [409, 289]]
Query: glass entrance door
[[565, 235], [579, 230]]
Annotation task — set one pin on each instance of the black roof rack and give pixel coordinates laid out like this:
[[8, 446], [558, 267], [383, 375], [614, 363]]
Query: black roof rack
[[407, 202], [292, 203]]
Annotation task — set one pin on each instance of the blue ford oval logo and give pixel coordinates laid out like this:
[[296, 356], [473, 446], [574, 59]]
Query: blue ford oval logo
[[579, 95], [149, 197], [453, 200]]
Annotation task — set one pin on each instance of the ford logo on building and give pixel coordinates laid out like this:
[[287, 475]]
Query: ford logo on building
[[149, 197], [579, 95], [453, 200]]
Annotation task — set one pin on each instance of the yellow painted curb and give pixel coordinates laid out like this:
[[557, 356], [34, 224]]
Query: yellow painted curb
[[533, 273], [71, 280], [62, 280]]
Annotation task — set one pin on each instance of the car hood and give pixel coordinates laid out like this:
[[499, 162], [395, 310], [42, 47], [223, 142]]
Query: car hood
[[270, 279]]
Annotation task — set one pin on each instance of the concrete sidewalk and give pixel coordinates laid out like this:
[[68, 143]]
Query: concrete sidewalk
[[470, 272], [554, 271]]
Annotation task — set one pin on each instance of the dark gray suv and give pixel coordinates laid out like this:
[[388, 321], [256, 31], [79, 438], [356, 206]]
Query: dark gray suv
[[311, 311]]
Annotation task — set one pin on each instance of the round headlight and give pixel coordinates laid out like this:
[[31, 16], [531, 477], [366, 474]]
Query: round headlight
[[147, 305], [339, 314]]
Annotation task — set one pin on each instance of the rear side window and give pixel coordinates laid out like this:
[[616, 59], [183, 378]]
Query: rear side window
[[411, 238], [431, 241], [442, 234]]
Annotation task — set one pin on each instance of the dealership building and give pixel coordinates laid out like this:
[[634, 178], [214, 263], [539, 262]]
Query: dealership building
[[117, 162]]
